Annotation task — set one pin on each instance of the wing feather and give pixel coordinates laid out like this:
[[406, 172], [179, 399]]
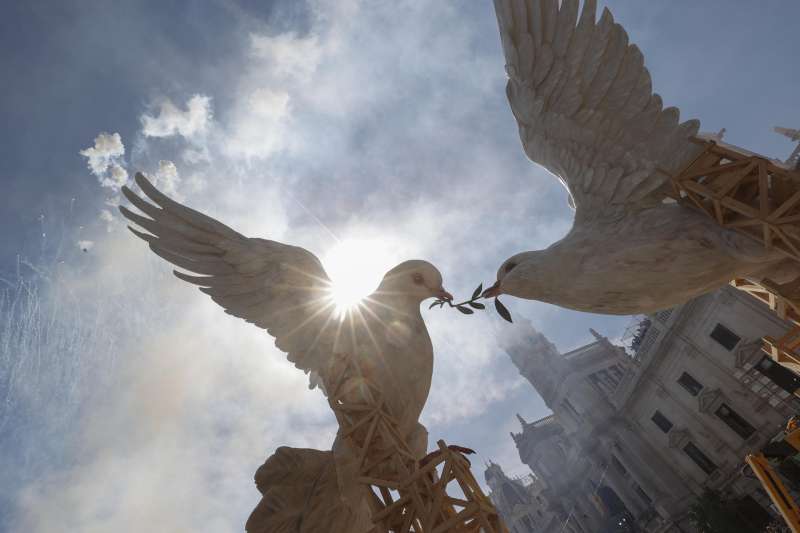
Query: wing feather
[[567, 16], [278, 287], [583, 101]]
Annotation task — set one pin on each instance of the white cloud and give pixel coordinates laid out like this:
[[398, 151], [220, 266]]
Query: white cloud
[[108, 218], [106, 152], [259, 124], [85, 246], [390, 125], [173, 121], [286, 54], [116, 178], [166, 178]]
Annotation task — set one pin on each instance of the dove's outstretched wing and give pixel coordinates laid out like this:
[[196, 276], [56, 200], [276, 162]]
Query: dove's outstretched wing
[[278, 287], [585, 108]]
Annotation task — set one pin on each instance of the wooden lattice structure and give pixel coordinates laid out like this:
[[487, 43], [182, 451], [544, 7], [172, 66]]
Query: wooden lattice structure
[[405, 494], [750, 194], [745, 192]]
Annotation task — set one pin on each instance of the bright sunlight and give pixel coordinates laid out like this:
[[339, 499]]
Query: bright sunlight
[[356, 267]]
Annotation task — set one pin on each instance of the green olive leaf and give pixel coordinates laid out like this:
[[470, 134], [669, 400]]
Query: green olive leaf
[[477, 305], [502, 310], [477, 292], [465, 310]]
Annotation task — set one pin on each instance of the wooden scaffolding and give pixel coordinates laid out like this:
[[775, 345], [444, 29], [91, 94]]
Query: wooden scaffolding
[[406, 493], [759, 198]]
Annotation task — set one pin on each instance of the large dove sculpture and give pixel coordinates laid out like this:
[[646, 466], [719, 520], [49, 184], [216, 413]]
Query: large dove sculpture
[[285, 290], [583, 101]]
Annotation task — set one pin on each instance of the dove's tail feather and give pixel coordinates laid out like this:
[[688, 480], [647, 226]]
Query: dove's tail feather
[[300, 494]]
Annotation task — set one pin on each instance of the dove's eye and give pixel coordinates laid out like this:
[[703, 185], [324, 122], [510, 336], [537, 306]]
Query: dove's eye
[[510, 267], [418, 279]]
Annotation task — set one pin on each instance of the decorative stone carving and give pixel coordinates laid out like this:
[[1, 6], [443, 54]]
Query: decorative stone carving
[[678, 438], [710, 400], [747, 353]]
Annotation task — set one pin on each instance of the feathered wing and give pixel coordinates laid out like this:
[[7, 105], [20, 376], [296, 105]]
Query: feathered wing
[[585, 108], [278, 287]]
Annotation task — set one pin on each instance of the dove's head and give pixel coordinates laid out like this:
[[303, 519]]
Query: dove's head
[[517, 276], [416, 280]]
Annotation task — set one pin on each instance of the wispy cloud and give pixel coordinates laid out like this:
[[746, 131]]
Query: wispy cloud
[[171, 120], [105, 159], [383, 123]]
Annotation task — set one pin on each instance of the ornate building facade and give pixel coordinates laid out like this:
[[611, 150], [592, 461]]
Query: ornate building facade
[[519, 503], [635, 438]]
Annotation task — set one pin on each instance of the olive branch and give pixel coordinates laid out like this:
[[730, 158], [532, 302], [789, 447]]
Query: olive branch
[[473, 303]]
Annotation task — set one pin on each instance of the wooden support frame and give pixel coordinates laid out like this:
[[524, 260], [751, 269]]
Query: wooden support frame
[[752, 195], [785, 350], [776, 490], [745, 192], [404, 496], [780, 298]]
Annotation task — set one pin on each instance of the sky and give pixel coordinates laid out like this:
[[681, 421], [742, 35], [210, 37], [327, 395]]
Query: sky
[[128, 400]]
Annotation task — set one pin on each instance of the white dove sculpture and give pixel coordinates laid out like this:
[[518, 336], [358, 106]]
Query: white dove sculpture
[[583, 101], [285, 290]]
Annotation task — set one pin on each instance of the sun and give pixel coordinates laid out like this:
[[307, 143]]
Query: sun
[[355, 267]]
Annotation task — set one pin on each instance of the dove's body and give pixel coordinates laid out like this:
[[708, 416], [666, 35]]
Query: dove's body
[[637, 264]]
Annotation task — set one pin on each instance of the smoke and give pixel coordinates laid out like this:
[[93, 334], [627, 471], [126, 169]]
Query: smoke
[[173, 121], [154, 407], [104, 160]]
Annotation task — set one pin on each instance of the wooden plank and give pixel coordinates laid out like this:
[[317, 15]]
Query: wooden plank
[[793, 219], [700, 189], [438, 498], [406, 527], [356, 425], [739, 207], [785, 206], [367, 441], [744, 222], [457, 518], [692, 197], [391, 465], [389, 509], [763, 189], [718, 213], [794, 252], [726, 184], [713, 169], [704, 152]]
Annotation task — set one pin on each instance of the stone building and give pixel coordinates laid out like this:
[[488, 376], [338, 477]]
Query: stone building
[[636, 435], [520, 504]]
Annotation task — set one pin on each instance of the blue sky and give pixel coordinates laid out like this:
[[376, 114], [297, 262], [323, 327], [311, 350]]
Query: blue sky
[[380, 121]]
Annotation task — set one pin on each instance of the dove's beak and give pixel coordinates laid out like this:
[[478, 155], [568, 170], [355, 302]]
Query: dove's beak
[[492, 292], [443, 294]]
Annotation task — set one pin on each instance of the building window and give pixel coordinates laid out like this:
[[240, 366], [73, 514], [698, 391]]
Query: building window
[[662, 421], [690, 384], [699, 458], [735, 421], [780, 375], [725, 337], [663, 316]]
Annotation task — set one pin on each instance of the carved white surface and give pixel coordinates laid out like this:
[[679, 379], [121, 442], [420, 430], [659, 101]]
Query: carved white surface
[[586, 111], [284, 289]]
